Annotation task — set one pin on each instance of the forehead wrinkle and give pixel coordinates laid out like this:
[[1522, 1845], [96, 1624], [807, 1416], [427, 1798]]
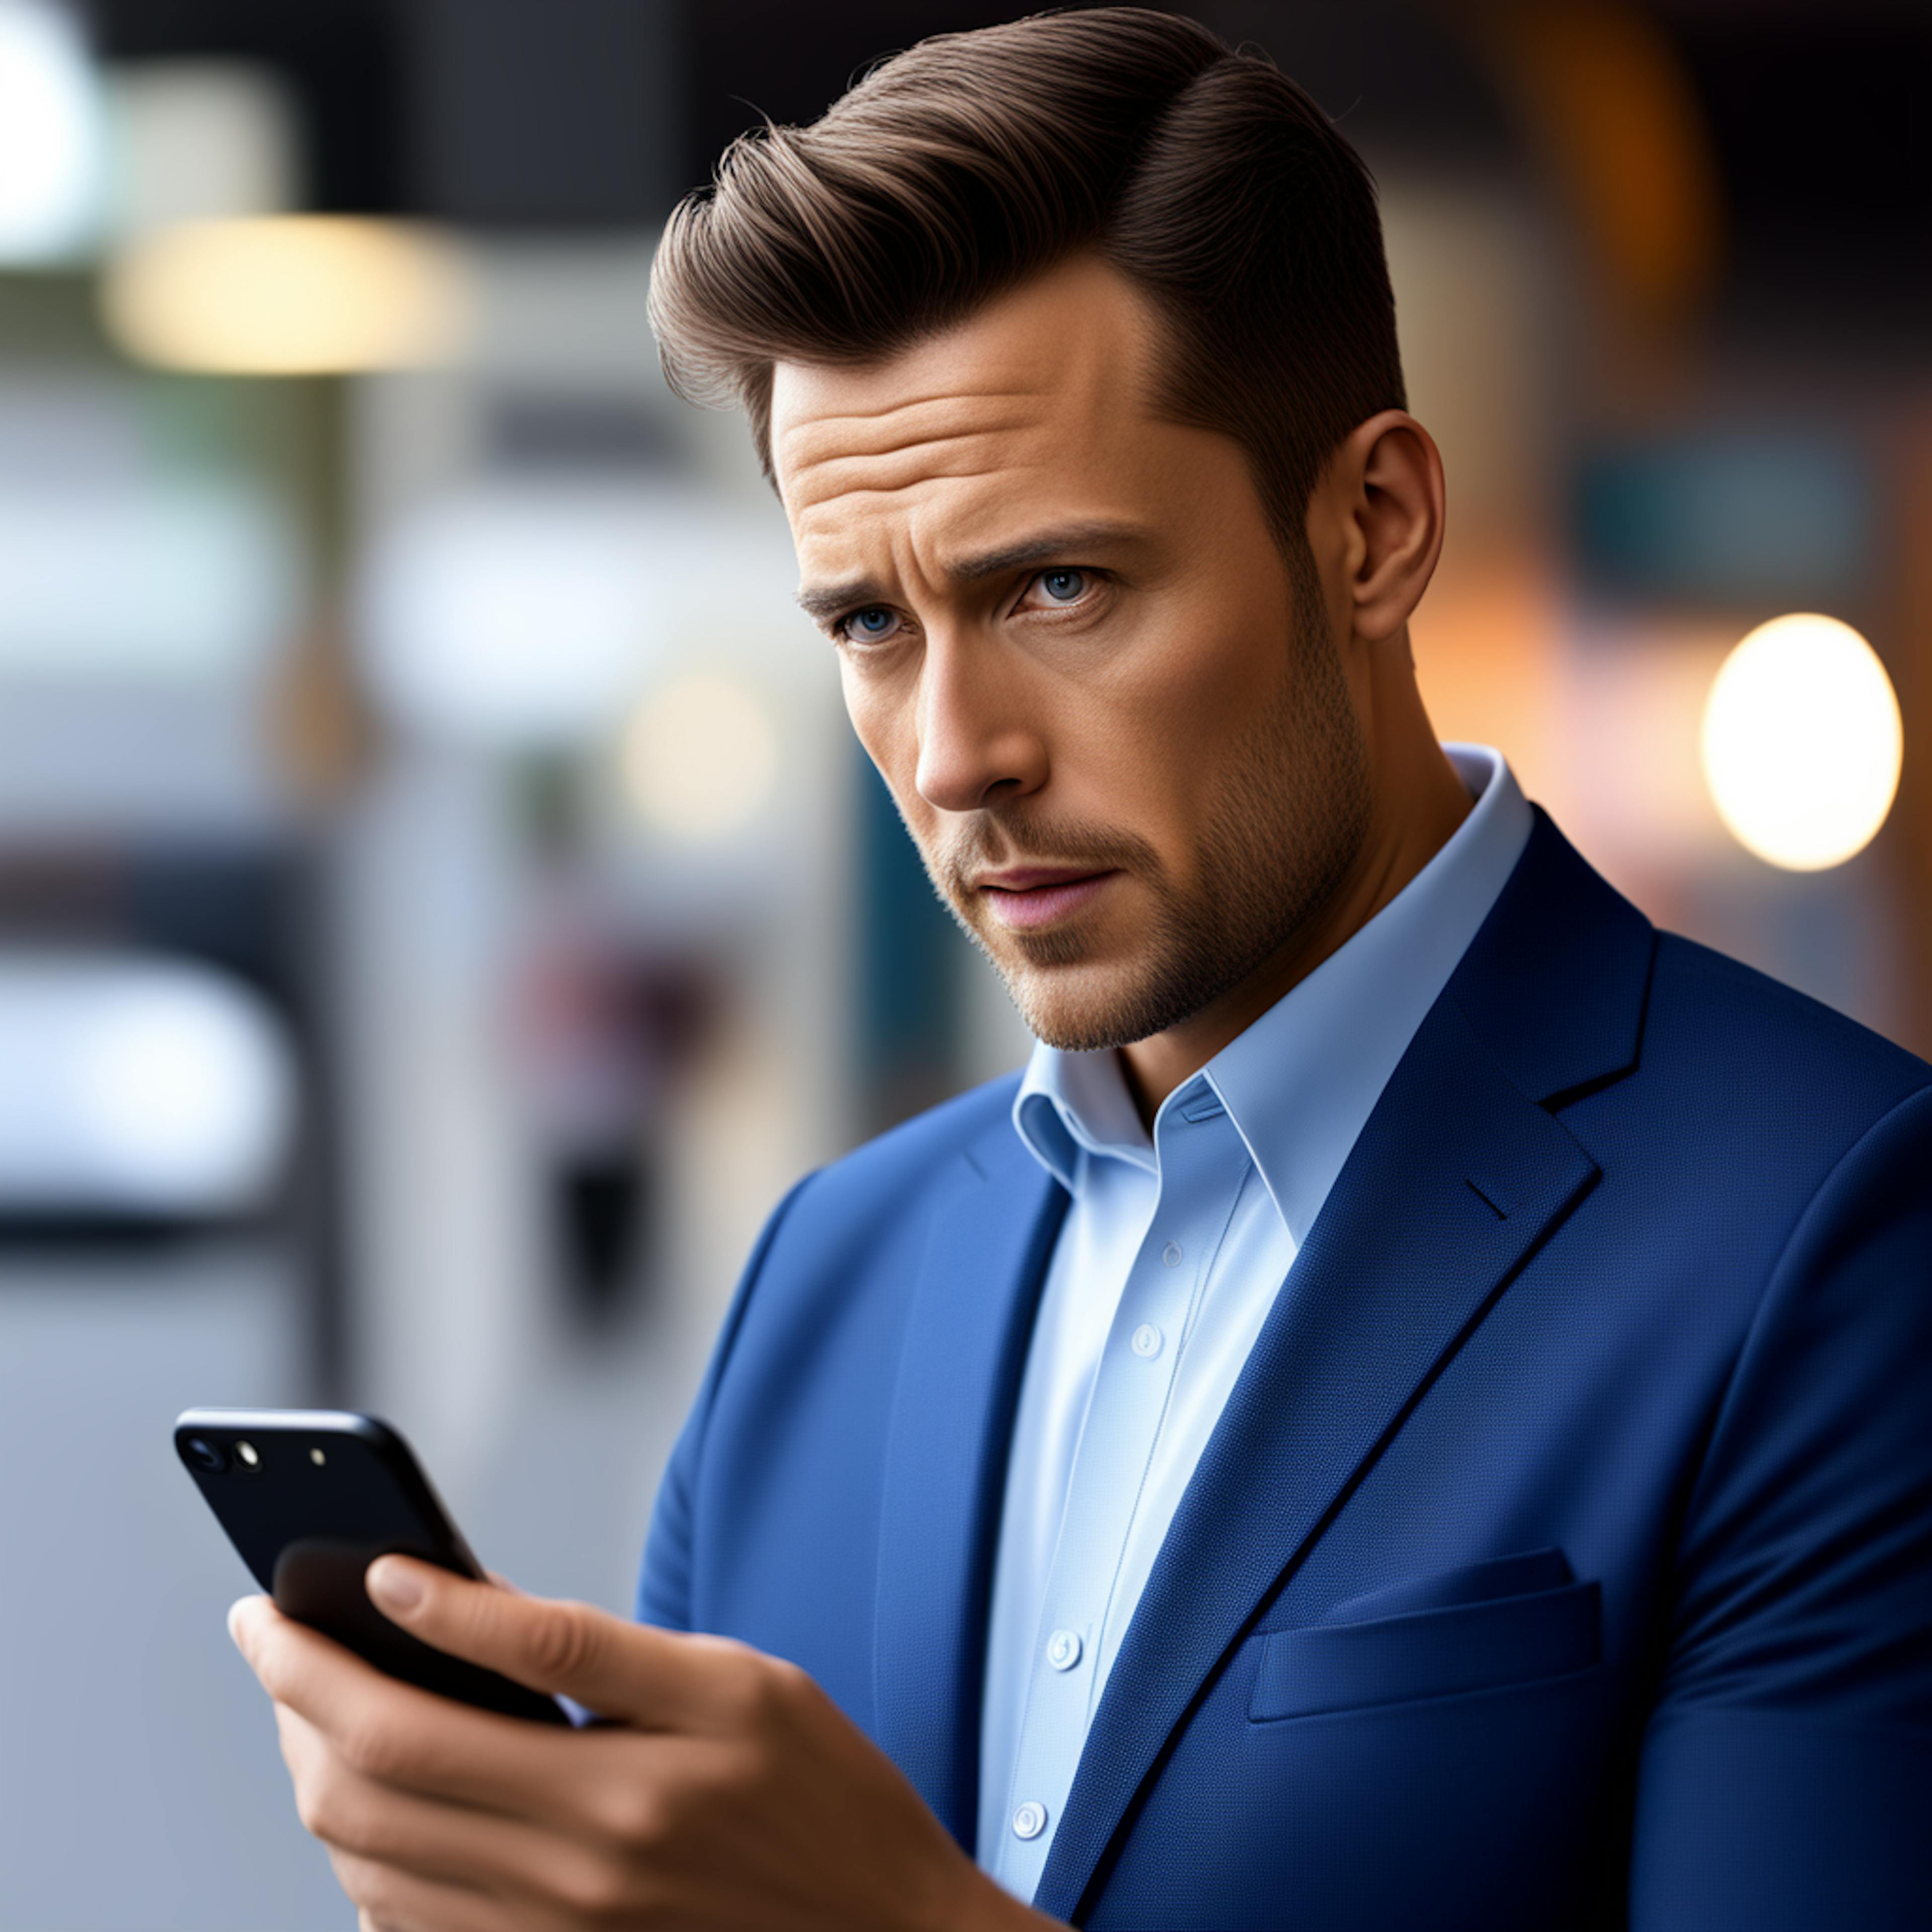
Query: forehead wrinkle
[[806, 427], [948, 459], [851, 513], [858, 494], [805, 454], [932, 439], [1004, 392]]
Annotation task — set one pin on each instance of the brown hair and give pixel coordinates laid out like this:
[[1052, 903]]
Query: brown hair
[[959, 168]]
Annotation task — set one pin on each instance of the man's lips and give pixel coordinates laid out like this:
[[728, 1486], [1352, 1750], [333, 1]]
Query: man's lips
[[1023, 897]]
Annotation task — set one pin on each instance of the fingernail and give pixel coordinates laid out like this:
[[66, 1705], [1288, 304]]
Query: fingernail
[[392, 1586], [234, 1622]]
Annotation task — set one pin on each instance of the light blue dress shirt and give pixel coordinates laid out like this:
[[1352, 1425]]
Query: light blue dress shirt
[[1173, 1248]]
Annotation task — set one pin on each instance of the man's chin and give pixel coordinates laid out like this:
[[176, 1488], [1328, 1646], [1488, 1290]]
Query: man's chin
[[1083, 1008]]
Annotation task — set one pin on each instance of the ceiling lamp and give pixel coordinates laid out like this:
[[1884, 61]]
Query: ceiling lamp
[[305, 294]]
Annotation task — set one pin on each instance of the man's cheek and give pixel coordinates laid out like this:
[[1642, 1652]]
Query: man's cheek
[[881, 733]]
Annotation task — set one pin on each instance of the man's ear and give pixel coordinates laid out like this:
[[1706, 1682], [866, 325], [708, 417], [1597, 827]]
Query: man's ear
[[1381, 500]]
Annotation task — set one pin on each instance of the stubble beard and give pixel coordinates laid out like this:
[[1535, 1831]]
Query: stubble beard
[[1293, 811]]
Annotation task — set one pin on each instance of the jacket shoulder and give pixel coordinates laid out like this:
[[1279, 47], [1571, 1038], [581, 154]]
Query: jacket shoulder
[[1708, 1008]]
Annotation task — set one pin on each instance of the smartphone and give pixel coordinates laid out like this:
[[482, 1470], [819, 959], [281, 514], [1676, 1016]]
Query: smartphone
[[310, 1498]]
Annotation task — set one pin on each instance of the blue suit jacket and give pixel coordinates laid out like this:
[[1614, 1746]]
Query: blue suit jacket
[[1565, 1550]]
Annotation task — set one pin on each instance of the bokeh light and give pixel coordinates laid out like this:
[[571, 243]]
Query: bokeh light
[[51, 142], [699, 757], [1802, 742], [510, 617], [287, 295], [142, 1083]]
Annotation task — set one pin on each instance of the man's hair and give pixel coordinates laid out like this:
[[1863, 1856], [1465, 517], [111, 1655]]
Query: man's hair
[[956, 170]]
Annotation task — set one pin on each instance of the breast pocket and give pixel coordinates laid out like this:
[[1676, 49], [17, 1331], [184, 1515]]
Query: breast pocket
[[1515, 1620]]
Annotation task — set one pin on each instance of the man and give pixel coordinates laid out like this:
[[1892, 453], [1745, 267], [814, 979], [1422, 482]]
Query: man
[[1412, 1411]]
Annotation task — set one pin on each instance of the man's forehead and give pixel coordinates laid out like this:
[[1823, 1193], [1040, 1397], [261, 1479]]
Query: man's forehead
[[1059, 356], [845, 450]]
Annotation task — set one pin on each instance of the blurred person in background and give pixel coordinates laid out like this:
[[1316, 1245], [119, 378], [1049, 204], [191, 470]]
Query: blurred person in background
[[1411, 1409]]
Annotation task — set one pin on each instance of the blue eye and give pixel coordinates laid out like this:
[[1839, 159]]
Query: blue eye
[[1064, 587], [869, 625]]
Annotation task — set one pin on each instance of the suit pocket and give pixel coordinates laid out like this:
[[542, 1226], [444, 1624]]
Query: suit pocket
[[1432, 1653]]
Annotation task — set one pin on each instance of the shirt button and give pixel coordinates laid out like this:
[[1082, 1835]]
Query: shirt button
[[1030, 1820], [1062, 1649], [1171, 1255], [1146, 1340]]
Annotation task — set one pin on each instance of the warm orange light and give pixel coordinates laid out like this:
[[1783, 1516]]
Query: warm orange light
[[1605, 89]]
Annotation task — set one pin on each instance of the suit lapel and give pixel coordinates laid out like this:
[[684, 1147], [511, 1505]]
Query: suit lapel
[[1457, 1179], [967, 1329]]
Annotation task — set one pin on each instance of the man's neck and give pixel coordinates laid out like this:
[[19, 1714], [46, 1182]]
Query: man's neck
[[1400, 842]]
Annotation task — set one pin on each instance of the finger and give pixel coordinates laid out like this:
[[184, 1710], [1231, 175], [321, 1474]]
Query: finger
[[449, 1843], [389, 1901], [406, 1739], [657, 1680]]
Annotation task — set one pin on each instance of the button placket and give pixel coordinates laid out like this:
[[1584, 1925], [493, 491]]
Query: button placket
[[1200, 1156]]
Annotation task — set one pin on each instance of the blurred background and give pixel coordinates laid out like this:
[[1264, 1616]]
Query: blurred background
[[441, 907]]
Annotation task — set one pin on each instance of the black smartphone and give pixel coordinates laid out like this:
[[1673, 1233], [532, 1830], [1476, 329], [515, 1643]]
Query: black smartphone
[[310, 1498]]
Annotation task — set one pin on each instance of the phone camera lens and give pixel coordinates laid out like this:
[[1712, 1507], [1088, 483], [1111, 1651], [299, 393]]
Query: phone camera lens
[[204, 1454]]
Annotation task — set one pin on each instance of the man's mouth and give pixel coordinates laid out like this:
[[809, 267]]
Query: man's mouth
[[1024, 898]]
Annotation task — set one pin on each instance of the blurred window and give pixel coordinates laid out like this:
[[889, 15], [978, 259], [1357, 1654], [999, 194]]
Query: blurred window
[[133, 1086]]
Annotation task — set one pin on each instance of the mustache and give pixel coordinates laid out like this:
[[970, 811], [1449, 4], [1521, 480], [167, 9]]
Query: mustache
[[988, 842]]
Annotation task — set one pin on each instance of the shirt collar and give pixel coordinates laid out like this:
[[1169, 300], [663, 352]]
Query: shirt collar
[[1300, 1083]]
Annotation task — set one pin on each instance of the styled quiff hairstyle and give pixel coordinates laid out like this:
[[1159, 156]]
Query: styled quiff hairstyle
[[957, 170]]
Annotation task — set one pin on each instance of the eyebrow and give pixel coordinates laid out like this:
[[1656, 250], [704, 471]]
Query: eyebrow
[[825, 601]]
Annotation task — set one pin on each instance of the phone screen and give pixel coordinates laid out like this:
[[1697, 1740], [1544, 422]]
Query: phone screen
[[310, 1498]]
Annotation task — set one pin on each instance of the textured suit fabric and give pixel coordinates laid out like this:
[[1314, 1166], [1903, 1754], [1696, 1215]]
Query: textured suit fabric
[[1564, 1555]]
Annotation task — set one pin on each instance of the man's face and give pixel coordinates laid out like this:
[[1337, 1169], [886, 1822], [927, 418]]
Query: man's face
[[1112, 717]]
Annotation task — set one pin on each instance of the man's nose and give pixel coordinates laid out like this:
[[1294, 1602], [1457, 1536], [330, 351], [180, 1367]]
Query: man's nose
[[976, 741]]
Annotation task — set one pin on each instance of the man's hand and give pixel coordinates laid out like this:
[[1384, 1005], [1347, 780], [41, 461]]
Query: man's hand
[[727, 1790]]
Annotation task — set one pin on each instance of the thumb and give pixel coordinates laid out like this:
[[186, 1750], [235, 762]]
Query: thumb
[[617, 1669]]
